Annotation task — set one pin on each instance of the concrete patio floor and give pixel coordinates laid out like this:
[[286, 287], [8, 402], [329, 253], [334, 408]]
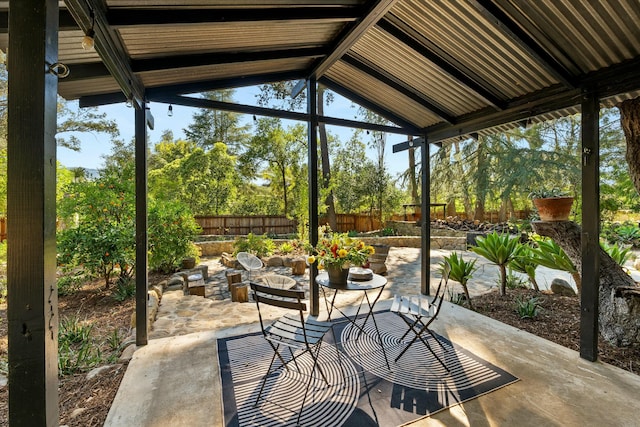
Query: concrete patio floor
[[175, 381]]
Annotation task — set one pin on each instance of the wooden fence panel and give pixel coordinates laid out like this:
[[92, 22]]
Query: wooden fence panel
[[242, 225]]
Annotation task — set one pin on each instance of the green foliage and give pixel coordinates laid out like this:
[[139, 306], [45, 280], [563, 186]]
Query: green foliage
[[352, 233], [258, 245], [76, 352], [456, 298], [71, 283], [285, 248], [550, 255], [626, 233], [618, 253], [388, 231], [114, 340], [499, 249], [528, 308], [524, 262], [125, 288], [172, 229], [547, 193], [514, 281], [460, 270], [99, 218]]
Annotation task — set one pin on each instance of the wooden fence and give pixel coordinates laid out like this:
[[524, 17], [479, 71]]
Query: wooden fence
[[489, 216], [3, 229], [242, 225], [350, 222]]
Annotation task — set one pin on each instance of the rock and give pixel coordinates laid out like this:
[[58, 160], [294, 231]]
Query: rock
[[273, 261], [562, 287], [153, 303], [127, 354], [175, 280], [97, 371], [158, 291], [77, 412], [163, 285], [3, 380]]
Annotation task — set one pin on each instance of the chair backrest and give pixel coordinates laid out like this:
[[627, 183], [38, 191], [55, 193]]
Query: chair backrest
[[283, 298], [249, 261]]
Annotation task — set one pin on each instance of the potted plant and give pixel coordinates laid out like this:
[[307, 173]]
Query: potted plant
[[552, 205], [336, 252]]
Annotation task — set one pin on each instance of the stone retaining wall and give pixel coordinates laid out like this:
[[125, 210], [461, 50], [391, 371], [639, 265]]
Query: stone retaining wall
[[457, 241]]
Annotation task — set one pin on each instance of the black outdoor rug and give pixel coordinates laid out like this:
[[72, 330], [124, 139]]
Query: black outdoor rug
[[362, 390]]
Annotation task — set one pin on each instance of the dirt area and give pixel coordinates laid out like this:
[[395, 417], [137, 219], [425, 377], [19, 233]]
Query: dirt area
[[85, 402]]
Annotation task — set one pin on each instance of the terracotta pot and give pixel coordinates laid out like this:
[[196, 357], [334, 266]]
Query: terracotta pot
[[554, 208], [337, 275]]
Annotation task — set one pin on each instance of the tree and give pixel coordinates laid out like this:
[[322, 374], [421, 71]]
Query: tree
[[212, 126], [283, 150], [630, 121], [81, 120]]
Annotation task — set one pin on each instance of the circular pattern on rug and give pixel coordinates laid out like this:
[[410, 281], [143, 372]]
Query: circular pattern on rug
[[283, 394], [417, 368]]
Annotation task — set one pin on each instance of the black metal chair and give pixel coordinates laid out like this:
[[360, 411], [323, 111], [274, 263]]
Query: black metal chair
[[293, 331], [419, 312]]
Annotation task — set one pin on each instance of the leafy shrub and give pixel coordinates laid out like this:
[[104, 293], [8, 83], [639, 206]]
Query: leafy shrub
[[549, 254], [515, 282], [285, 248], [618, 253], [125, 289], [388, 231], [76, 352], [258, 245], [172, 230], [352, 233], [528, 308], [498, 249], [626, 233], [524, 262], [460, 271], [69, 284]]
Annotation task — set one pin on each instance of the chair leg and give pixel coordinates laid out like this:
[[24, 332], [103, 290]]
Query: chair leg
[[264, 380]]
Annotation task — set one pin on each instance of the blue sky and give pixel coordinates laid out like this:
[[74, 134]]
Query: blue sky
[[95, 146]]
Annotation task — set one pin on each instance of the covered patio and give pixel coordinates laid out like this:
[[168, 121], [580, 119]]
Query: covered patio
[[436, 70]]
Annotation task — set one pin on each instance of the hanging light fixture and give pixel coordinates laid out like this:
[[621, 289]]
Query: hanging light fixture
[[170, 111], [88, 43]]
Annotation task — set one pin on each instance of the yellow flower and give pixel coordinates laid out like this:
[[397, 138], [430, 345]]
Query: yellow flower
[[311, 259], [371, 250], [342, 253]]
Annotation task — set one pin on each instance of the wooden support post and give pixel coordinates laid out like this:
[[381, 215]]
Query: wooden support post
[[425, 269], [589, 296], [142, 282], [32, 310], [312, 106]]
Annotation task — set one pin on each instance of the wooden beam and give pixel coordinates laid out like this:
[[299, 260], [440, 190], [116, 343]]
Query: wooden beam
[[386, 78], [312, 159], [589, 297], [345, 41], [431, 52], [32, 309], [425, 223], [506, 26], [142, 273], [124, 17], [65, 21], [362, 101], [91, 15]]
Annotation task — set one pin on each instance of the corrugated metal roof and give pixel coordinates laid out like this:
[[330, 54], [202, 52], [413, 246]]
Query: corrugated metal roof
[[441, 67]]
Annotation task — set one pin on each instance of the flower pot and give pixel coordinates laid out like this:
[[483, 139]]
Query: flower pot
[[554, 208], [337, 275], [188, 263]]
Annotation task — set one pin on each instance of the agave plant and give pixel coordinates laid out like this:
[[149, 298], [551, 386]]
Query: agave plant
[[524, 262], [498, 249], [550, 255], [618, 253], [460, 271]]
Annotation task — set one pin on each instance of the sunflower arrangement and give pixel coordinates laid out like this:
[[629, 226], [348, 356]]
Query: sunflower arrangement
[[339, 250]]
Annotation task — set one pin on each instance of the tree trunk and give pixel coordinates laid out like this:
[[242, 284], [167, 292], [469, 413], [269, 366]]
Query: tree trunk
[[326, 168], [413, 182], [482, 180], [619, 295], [630, 121]]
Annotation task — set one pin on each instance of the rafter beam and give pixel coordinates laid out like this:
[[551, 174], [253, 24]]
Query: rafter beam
[[193, 87], [375, 12], [95, 70], [384, 77], [379, 110], [434, 54], [90, 14], [501, 21], [66, 21], [128, 17]]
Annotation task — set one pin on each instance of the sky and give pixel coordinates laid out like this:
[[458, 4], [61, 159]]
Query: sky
[[95, 146]]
